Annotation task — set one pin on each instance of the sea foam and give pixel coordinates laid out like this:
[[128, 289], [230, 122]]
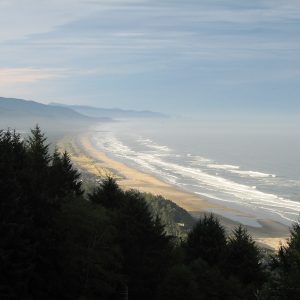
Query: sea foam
[[252, 174], [194, 178]]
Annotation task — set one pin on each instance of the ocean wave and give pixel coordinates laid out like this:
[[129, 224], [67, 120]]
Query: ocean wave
[[253, 174], [152, 145], [220, 188], [195, 159], [237, 170], [223, 167]]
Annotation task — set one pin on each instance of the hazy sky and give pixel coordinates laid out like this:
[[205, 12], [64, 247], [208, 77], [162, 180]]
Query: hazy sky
[[164, 55]]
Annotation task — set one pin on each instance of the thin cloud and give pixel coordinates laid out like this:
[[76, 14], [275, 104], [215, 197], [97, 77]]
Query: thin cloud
[[20, 19], [12, 76], [53, 44]]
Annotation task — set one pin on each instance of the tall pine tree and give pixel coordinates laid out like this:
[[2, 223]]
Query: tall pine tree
[[206, 241], [286, 285], [64, 179]]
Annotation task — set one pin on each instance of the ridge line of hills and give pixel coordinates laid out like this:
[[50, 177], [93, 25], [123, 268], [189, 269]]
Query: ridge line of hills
[[110, 112], [21, 114]]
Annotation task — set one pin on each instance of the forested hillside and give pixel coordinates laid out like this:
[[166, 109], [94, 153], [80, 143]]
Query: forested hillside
[[177, 221], [60, 243]]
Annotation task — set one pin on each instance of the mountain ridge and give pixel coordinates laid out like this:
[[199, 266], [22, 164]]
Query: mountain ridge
[[92, 111], [22, 113]]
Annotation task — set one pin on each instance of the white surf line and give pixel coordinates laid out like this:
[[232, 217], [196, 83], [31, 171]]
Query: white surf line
[[245, 194]]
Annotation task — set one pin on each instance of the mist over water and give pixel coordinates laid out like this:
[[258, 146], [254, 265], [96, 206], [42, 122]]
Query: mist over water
[[252, 164]]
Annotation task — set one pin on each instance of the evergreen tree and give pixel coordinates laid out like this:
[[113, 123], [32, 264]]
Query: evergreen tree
[[112, 245], [213, 283], [16, 249], [207, 241], [43, 205], [89, 257], [146, 248], [72, 176], [64, 179], [179, 284], [108, 194], [243, 261], [36, 186], [286, 281], [38, 150]]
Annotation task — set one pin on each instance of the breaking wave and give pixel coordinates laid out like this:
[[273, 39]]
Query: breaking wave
[[192, 174]]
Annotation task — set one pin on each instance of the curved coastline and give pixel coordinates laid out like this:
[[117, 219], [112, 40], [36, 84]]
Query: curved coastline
[[270, 233]]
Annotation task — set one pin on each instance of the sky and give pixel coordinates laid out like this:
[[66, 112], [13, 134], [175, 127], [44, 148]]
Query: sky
[[164, 55]]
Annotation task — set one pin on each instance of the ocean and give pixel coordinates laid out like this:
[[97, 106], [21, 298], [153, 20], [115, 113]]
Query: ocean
[[250, 164]]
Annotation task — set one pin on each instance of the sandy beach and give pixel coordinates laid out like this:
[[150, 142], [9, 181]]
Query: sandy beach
[[85, 155]]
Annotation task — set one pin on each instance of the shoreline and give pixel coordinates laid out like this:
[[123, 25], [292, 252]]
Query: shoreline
[[94, 161]]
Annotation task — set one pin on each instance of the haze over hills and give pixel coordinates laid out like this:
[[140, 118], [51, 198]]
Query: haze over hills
[[11, 106], [110, 112], [21, 113]]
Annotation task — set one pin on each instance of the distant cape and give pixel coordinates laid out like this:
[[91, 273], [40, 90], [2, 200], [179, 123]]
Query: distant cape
[[24, 114], [19, 113], [91, 111]]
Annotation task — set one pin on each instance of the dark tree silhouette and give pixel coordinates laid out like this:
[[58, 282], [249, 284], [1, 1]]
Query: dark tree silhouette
[[38, 150], [286, 282], [179, 284], [108, 194], [57, 243], [64, 179], [16, 248], [207, 241], [244, 258], [244, 262], [146, 248]]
